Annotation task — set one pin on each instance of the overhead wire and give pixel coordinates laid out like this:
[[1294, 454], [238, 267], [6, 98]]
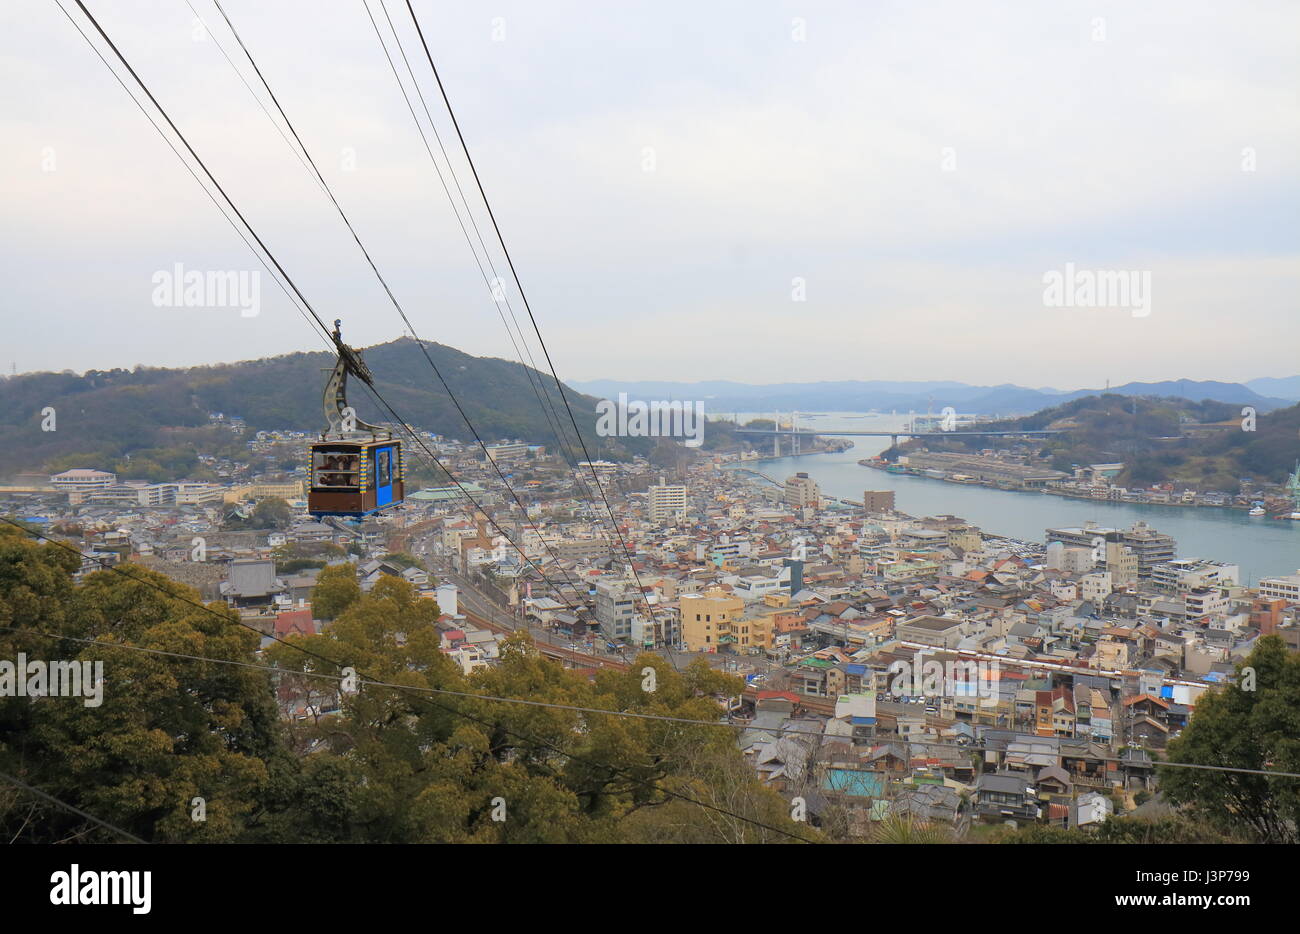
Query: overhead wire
[[533, 319], [877, 741], [325, 186], [63, 805], [301, 299], [293, 285], [184, 162], [544, 400], [559, 750], [442, 181]]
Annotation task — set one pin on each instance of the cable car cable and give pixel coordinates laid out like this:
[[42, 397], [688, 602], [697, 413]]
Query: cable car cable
[[278, 267], [189, 168], [544, 399], [527, 307], [388, 290]]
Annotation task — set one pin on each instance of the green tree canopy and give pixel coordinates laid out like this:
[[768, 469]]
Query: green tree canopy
[[336, 589], [1252, 724], [442, 767], [522, 751], [166, 730], [270, 513]]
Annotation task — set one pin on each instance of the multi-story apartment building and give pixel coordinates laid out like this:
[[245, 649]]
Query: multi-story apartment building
[[1095, 586], [664, 629], [707, 620], [924, 540], [666, 503], [1150, 547], [874, 547], [581, 549], [1266, 614], [1206, 601], [616, 601], [877, 501], [801, 492], [1121, 564], [1189, 573], [899, 571], [1070, 559], [725, 550], [752, 588], [1285, 588], [965, 537]]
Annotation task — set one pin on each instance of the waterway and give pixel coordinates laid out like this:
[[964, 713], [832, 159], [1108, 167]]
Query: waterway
[[1262, 546]]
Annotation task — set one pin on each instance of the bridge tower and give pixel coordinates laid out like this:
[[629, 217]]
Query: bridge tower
[[794, 433]]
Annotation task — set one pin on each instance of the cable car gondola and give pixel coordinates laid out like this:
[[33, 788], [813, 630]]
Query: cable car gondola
[[356, 468]]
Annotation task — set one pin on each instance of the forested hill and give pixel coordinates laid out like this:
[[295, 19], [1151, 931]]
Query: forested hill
[[1199, 444], [103, 415]]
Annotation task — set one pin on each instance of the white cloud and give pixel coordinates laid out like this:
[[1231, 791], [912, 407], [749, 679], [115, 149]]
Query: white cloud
[[773, 159]]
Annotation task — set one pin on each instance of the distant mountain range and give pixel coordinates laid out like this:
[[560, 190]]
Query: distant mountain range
[[151, 421], [724, 397], [1287, 387]]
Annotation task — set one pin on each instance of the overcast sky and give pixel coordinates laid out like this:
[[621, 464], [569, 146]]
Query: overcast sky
[[667, 174]]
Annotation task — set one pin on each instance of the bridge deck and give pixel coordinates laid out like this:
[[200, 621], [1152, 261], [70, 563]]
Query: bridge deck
[[893, 434]]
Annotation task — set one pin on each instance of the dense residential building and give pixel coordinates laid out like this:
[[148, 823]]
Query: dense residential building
[[816, 601], [584, 550], [1095, 586]]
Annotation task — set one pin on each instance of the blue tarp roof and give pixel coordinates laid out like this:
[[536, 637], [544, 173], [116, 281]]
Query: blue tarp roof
[[852, 782]]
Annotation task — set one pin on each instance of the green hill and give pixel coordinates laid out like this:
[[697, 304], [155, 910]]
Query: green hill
[[1200, 445], [161, 415]]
